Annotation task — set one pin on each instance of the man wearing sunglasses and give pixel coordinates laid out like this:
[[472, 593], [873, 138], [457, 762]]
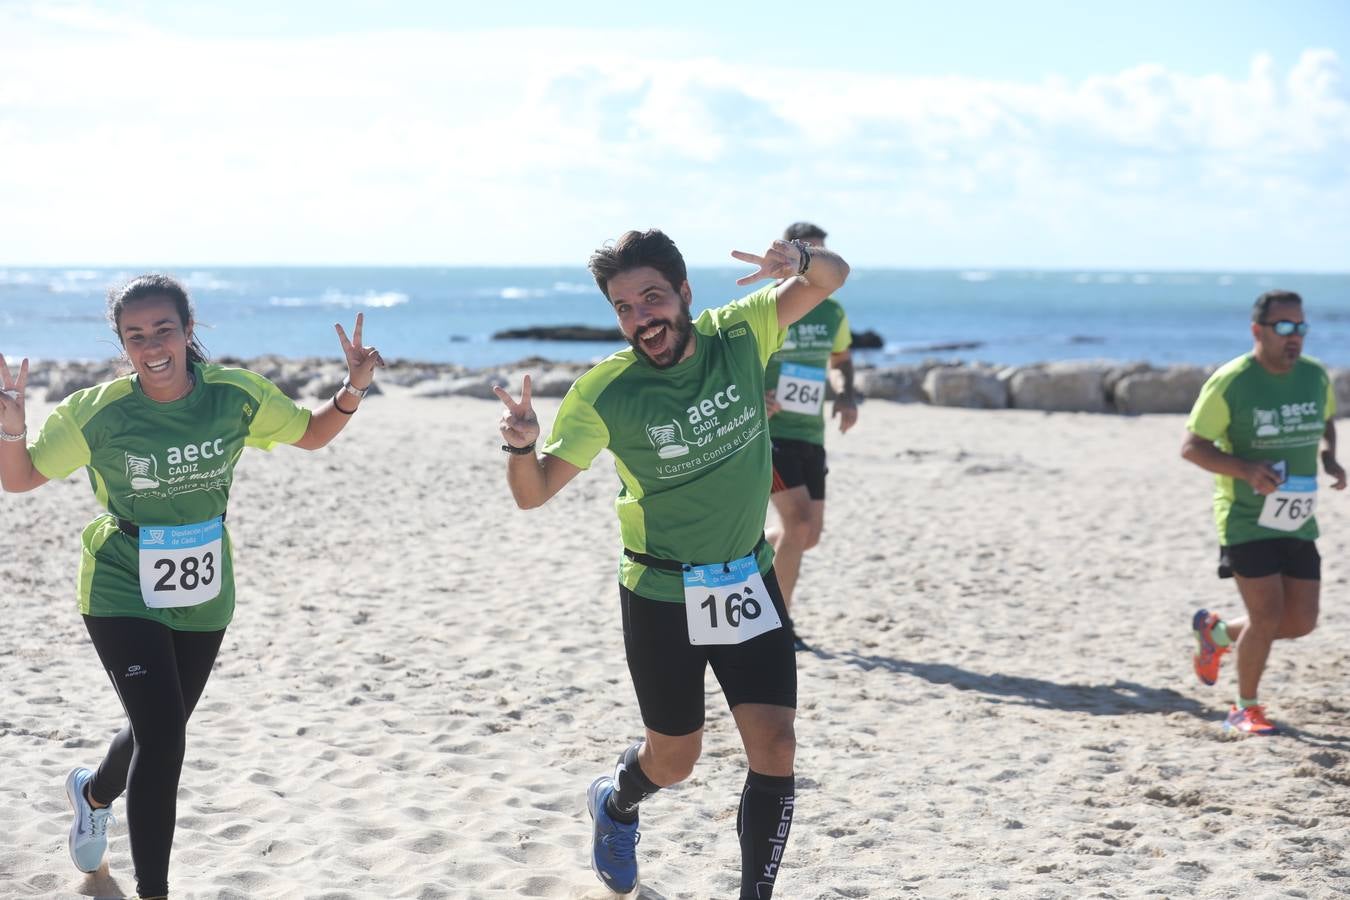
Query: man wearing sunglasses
[[1257, 426]]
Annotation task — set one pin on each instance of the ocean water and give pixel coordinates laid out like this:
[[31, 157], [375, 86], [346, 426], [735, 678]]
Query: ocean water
[[449, 314]]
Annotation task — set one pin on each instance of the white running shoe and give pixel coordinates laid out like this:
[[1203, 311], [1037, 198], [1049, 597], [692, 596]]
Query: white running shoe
[[89, 832]]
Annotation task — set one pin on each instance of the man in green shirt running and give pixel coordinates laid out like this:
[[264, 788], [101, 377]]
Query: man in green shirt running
[[816, 347], [682, 414], [1257, 426]]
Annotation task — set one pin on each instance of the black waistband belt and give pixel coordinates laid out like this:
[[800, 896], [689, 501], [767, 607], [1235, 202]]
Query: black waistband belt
[[133, 531], [670, 565]]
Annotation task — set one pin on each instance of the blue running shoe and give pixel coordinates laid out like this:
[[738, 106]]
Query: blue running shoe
[[89, 832], [613, 844]]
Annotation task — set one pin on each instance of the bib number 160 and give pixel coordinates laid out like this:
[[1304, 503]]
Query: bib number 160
[[736, 606], [727, 603]]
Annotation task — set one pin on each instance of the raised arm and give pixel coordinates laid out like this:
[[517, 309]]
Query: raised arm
[[810, 274], [334, 415], [533, 479], [17, 472]]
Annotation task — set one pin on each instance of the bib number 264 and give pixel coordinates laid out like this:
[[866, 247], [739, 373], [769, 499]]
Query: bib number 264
[[179, 564], [727, 604]]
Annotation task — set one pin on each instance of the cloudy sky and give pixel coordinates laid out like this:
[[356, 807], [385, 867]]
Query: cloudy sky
[[1148, 135]]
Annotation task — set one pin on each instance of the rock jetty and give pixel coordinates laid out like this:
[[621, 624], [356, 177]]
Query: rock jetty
[[1084, 386]]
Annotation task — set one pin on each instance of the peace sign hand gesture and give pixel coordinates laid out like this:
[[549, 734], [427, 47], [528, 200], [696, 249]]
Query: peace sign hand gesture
[[781, 260], [361, 361], [12, 416], [519, 425]]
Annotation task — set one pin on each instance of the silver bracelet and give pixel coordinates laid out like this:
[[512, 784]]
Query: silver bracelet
[[13, 438]]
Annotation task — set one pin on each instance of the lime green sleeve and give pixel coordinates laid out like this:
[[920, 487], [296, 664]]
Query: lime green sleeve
[[579, 434], [843, 339], [279, 419], [60, 447], [760, 311], [1331, 399], [1210, 416]]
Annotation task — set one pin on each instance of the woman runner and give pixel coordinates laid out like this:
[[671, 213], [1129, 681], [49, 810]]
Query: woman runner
[[156, 585]]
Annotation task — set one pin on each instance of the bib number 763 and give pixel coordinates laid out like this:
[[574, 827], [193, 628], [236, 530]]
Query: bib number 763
[[1292, 504], [727, 603]]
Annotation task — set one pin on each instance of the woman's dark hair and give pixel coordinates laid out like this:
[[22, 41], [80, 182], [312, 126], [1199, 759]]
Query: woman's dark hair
[[634, 250], [155, 286]]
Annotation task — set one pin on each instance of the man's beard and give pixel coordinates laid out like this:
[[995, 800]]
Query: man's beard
[[682, 328]]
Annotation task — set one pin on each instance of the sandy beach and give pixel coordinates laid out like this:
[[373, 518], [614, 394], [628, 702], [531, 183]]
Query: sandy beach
[[421, 680]]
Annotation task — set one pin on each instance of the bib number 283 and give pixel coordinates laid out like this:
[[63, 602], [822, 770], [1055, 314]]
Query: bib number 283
[[727, 604], [180, 564]]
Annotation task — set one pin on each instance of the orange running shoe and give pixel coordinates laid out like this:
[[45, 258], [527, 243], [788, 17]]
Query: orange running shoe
[[1251, 720], [1209, 654]]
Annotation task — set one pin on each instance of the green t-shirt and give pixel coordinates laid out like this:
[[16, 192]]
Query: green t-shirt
[[806, 350], [160, 464], [690, 443], [1254, 414]]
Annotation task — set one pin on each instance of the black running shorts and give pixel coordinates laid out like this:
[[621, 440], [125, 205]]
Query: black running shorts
[[668, 671], [798, 463], [1293, 557]]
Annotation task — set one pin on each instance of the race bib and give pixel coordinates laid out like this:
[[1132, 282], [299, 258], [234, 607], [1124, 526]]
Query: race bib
[[180, 564], [801, 389], [727, 603], [1291, 505]]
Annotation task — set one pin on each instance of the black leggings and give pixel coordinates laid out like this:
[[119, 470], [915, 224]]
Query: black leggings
[[159, 675]]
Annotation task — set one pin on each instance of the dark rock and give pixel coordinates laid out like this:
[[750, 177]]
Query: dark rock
[[866, 340], [560, 333], [945, 348]]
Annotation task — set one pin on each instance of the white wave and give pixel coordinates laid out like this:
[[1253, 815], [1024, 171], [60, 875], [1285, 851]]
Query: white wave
[[205, 281], [335, 298], [567, 287], [977, 276], [1082, 278], [1141, 278], [1111, 278], [520, 293], [1226, 280], [79, 281]]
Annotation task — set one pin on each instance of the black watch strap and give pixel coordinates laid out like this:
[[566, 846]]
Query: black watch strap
[[518, 451]]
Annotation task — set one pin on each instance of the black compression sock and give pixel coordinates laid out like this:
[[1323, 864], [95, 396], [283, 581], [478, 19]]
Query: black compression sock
[[631, 787], [763, 822]]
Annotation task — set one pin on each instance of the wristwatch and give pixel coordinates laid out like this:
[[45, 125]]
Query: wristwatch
[[355, 392]]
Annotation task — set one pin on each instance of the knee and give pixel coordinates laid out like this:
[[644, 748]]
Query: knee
[[812, 537], [1265, 623], [1303, 624], [166, 746], [776, 751], [673, 763], [798, 531]]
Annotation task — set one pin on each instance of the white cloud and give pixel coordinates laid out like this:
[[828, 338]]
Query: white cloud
[[120, 141]]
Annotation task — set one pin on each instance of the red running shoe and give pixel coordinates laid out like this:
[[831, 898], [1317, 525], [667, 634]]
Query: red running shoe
[[1209, 654]]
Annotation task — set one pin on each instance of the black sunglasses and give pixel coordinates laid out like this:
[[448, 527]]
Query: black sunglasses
[[1284, 327]]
